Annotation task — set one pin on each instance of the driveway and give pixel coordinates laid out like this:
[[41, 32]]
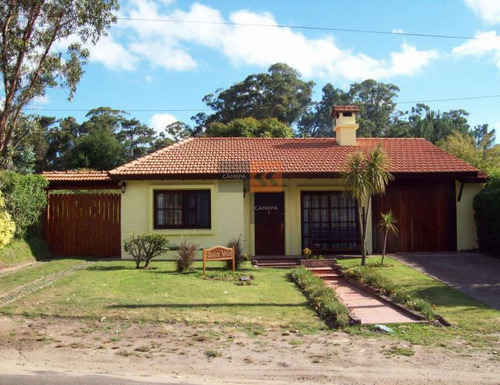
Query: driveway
[[474, 274]]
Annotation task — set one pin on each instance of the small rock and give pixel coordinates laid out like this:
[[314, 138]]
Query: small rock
[[383, 328]]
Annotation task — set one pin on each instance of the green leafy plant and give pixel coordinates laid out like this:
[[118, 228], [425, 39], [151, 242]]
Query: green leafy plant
[[388, 225], [7, 225], [145, 247], [25, 199], [239, 257], [365, 177], [321, 297], [185, 256], [487, 216]]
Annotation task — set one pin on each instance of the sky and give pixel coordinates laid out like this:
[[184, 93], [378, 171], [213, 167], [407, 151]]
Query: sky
[[163, 56]]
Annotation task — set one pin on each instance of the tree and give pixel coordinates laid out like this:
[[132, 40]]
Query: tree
[[365, 177], [98, 150], [466, 148], [137, 138], [388, 225], [29, 62], [250, 128], [279, 94], [484, 137], [318, 121], [179, 131], [376, 103]]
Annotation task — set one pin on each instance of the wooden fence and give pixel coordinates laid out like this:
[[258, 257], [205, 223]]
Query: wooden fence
[[83, 225]]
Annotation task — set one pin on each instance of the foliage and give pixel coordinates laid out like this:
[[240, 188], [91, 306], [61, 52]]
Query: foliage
[[25, 199], [7, 225], [365, 177], [388, 225], [237, 243], [27, 249], [185, 256], [30, 63], [487, 216], [251, 128], [145, 247], [480, 155], [372, 277], [279, 94], [322, 298]]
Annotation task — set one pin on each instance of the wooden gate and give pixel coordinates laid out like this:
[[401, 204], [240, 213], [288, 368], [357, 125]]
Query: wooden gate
[[83, 225]]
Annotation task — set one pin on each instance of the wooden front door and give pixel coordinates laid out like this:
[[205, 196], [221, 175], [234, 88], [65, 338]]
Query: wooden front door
[[269, 224]]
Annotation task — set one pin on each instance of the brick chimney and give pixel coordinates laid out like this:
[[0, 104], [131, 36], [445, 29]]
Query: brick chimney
[[345, 124]]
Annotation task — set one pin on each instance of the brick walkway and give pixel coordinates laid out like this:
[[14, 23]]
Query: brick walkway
[[368, 308]]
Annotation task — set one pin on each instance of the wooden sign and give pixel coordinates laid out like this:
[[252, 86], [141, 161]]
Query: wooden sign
[[218, 253]]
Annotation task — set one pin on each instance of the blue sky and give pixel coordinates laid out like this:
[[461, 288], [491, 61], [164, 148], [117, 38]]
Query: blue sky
[[164, 67]]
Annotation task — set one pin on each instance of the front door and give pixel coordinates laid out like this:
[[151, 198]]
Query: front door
[[269, 224]]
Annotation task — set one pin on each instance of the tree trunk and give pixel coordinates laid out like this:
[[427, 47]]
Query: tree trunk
[[385, 244], [363, 239]]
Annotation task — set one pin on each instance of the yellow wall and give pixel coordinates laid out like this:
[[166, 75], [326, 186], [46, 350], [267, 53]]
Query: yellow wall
[[466, 227], [227, 211], [232, 211]]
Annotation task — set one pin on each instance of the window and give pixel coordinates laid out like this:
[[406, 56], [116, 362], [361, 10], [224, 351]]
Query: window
[[329, 221], [182, 209]]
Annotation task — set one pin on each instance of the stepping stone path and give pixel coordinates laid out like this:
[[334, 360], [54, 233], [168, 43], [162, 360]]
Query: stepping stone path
[[367, 307], [38, 284]]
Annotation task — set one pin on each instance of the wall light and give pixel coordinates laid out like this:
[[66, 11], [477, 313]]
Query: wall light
[[123, 187]]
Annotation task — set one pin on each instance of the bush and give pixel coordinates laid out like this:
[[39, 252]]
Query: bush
[[145, 247], [7, 225], [370, 276], [25, 199], [487, 216], [185, 256], [239, 257], [322, 298]]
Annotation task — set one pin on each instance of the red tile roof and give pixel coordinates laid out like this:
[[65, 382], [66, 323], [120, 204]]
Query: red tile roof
[[344, 108], [298, 157], [84, 176]]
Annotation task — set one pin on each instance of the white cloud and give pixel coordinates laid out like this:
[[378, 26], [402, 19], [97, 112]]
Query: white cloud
[[160, 121], [170, 45], [41, 99], [113, 55], [487, 45], [488, 10]]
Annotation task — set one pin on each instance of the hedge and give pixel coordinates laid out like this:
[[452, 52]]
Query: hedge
[[487, 217], [25, 199]]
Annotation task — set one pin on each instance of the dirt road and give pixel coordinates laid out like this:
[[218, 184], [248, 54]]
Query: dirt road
[[183, 354]]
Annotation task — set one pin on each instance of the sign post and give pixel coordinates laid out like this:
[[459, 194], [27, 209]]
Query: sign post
[[218, 253]]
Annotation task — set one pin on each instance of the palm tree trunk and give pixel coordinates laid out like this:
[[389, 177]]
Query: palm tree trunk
[[385, 244]]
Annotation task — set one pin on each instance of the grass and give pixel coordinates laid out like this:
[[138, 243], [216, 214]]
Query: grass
[[28, 274], [474, 323], [116, 290], [27, 249]]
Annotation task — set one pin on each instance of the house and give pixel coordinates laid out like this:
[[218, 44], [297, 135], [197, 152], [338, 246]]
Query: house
[[282, 195]]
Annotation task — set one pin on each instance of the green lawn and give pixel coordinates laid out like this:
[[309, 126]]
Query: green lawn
[[28, 249], [474, 323], [117, 290], [9, 281]]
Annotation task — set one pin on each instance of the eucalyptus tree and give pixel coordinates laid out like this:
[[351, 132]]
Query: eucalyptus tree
[[366, 176], [31, 60]]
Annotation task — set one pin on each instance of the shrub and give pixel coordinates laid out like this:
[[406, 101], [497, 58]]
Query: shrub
[[25, 199], [7, 225], [487, 216], [322, 298], [237, 243], [145, 247], [370, 276], [185, 256]]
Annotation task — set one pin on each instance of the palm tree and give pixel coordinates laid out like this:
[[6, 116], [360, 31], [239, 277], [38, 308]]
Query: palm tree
[[387, 224], [365, 177]]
